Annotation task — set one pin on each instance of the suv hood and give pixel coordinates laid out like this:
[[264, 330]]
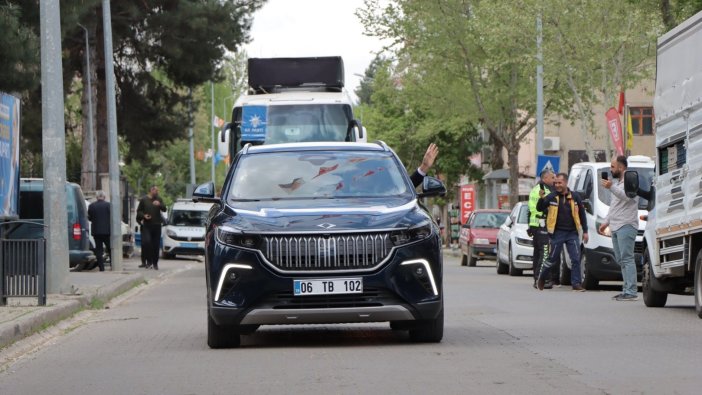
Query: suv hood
[[325, 215]]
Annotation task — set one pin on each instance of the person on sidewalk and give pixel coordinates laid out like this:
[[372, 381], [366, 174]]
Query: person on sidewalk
[[149, 214], [99, 217], [565, 221], [537, 227], [427, 162], [623, 222]]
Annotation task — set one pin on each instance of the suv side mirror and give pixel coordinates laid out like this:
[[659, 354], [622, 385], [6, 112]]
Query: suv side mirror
[[355, 129], [432, 187], [631, 183], [205, 193]]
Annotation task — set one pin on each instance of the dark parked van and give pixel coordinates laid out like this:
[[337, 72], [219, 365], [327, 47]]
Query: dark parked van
[[31, 208]]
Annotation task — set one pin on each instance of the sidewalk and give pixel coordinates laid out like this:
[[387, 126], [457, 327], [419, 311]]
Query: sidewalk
[[22, 317]]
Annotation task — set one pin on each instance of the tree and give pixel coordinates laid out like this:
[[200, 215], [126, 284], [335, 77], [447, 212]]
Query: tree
[[19, 66], [472, 59]]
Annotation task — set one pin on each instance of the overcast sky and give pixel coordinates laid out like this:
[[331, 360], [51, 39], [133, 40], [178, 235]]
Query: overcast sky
[[300, 28]]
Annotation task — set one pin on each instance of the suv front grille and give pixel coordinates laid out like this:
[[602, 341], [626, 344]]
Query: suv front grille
[[327, 252], [183, 238]]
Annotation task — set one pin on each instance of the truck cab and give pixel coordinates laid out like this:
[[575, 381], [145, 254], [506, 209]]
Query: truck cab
[[292, 100]]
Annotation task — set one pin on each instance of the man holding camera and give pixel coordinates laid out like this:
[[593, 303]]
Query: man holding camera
[[623, 222]]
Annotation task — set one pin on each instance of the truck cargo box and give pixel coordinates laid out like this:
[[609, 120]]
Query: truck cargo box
[[267, 74]]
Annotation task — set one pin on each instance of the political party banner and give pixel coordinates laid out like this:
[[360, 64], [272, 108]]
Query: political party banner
[[9, 155], [253, 123], [467, 201], [614, 125]]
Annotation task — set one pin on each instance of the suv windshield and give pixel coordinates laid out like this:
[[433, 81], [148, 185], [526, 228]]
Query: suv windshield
[[317, 174], [187, 218], [489, 220], [645, 182]]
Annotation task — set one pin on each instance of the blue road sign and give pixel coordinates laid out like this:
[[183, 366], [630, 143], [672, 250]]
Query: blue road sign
[[544, 162]]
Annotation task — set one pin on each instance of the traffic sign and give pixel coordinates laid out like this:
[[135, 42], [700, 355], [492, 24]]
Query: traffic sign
[[544, 162]]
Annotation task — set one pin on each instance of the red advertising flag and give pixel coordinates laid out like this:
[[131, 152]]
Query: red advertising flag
[[622, 101], [614, 125], [467, 201]]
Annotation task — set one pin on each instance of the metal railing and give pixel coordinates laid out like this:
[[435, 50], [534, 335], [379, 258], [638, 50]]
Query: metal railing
[[22, 269]]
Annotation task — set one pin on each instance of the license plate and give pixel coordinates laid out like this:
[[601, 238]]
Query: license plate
[[188, 245], [330, 286]]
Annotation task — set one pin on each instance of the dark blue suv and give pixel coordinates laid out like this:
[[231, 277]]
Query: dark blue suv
[[315, 233]]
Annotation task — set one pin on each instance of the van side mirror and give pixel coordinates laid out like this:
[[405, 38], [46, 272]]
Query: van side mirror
[[588, 205], [356, 129], [432, 187], [631, 183]]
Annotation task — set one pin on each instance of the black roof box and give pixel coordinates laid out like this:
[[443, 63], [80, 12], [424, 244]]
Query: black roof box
[[267, 74]]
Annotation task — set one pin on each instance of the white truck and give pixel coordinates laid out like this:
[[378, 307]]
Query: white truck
[[292, 100], [673, 236]]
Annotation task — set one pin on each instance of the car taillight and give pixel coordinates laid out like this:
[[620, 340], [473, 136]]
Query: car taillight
[[76, 231]]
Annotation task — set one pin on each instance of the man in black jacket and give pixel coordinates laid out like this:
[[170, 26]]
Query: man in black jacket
[[565, 221], [99, 216], [427, 162], [149, 215]]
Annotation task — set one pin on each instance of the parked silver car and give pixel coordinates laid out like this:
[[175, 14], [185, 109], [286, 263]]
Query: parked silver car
[[514, 246]]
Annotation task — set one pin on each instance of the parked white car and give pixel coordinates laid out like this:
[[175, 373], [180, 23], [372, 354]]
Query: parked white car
[[514, 246], [184, 232]]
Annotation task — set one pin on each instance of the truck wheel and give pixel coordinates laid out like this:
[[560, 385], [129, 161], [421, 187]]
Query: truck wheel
[[513, 271], [220, 336], [464, 259], [589, 281], [651, 297], [565, 271], [429, 331], [698, 284]]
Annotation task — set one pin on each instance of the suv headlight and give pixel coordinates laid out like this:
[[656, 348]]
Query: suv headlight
[[410, 235], [170, 233], [233, 237]]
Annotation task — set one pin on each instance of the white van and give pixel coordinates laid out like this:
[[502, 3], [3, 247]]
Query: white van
[[184, 232], [597, 258]]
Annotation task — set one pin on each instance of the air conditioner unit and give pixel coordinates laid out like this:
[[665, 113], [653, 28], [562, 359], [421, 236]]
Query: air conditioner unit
[[552, 143]]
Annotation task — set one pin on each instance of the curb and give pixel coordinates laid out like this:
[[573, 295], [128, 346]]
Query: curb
[[62, 307]]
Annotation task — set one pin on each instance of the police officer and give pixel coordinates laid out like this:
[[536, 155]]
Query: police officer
[[537, 225]]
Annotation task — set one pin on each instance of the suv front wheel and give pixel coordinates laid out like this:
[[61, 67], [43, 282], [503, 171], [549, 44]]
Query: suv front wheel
[[221, 336], [429, 331]]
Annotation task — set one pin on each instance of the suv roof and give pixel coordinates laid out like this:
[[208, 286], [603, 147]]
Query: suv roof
[[327, 145]]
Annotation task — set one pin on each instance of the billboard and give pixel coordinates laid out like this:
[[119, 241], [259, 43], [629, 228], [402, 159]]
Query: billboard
[[9, 155]]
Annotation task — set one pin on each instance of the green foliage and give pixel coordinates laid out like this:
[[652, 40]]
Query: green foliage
[[19, 66]]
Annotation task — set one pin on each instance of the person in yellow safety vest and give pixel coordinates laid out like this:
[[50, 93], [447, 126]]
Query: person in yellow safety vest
[[537, 227]]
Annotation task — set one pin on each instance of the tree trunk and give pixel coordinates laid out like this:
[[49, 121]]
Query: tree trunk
[[584, 119], [88, 174], [513, 163], [496, 162]]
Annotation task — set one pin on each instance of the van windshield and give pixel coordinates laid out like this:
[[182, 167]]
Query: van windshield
[[188, 218], [306, 122], [645, 182]]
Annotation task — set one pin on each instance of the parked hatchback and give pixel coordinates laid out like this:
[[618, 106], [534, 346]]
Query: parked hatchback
[[31, 208], [478, 238], [321, 233], [515, 247]]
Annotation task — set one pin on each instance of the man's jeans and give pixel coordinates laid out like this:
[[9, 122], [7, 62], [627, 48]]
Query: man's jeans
[[572, 244], [623, 240]]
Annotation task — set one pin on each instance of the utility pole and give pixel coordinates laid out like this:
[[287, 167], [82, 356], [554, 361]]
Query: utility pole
[[91, 133], [190, 133], [212, 129], [113, 154], [53, 148], [539, 91]]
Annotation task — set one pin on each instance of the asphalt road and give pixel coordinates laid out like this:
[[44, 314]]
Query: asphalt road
[[501, 336]]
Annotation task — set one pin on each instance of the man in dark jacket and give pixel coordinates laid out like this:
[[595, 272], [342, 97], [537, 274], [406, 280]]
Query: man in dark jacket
[[565, 221], [427, 162], [99, 216], [149, 215]]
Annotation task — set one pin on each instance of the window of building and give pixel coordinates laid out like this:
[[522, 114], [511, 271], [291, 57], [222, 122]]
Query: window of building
[[641, 120]]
